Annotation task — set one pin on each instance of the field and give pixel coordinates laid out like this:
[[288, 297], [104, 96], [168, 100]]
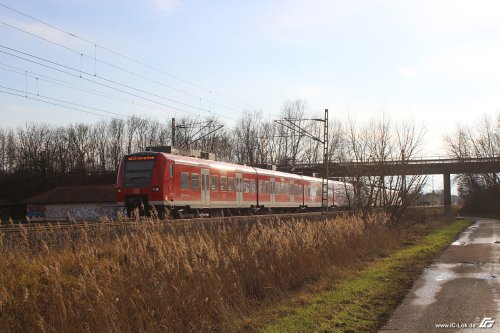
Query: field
[[157, 277]]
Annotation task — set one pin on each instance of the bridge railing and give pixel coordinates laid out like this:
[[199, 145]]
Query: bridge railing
[[436, 160], [425, 160]]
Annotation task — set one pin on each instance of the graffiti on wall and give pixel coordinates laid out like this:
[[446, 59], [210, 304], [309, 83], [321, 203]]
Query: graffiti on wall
[[79, 212], [35, 212]]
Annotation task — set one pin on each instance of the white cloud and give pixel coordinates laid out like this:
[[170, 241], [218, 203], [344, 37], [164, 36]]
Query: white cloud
[[165, 7], [296, 21], [453, 14], [447, 16], [409, 72], [468, 62]]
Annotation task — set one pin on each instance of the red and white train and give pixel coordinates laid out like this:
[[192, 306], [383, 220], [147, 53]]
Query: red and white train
[[176, 184]]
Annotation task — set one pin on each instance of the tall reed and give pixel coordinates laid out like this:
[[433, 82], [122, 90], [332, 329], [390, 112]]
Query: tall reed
[[160, 277]]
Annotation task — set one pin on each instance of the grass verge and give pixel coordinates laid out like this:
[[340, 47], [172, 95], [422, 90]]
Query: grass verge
[[361, 302]]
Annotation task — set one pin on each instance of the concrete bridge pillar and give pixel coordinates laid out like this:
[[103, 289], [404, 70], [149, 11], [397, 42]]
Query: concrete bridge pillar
[[447, 192]]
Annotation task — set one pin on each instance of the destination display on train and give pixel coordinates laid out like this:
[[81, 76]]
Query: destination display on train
[[140, 158]]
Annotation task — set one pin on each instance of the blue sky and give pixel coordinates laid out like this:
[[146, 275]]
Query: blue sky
[[432, 62]]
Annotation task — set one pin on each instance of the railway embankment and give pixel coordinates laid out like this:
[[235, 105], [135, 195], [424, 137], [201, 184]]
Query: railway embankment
[[219, 276]]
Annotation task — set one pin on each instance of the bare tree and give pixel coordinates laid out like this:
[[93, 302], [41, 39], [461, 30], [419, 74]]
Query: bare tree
[[247, 139], [376, 143], [482, 140], [289, 134], [115, 140]]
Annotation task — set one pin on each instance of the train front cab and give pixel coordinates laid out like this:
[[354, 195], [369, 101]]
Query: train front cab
[[141, 183]]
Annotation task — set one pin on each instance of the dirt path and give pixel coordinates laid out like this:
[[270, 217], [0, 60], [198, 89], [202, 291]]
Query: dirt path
[[462, 287]]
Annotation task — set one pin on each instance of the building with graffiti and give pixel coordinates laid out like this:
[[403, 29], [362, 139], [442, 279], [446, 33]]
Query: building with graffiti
[[78, 203]]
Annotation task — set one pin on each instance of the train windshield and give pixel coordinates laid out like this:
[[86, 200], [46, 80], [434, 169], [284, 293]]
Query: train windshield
[[138, 171]]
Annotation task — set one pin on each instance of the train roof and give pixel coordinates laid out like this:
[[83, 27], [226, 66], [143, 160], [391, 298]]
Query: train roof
[[209, 163], [232, 166]]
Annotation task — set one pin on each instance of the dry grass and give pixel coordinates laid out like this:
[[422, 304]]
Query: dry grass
[[157, 277]]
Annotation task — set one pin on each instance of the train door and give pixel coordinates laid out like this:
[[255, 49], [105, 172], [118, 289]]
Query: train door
[[273, 197], [291, 192], [239, 189], [205, 187]]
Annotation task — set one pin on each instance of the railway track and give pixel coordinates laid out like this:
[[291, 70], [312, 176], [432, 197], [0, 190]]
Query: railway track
[[130, 222], [68, 225]]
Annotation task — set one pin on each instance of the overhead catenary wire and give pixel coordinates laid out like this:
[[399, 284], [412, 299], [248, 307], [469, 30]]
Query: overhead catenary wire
[[56, 104], [78, 74], [28, 94], [95, 59], [211, 91], [62, 83], [88, 79]]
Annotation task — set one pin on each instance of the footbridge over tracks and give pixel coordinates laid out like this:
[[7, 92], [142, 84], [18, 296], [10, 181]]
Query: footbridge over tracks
[[423, 166]]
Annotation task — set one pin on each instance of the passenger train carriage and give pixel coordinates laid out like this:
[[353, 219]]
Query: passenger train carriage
[[175, 184]]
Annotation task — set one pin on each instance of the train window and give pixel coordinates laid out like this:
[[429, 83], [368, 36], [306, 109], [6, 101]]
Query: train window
[[252, 186], [171, 170], [138, 171], [215, 183], [266, 187], [277, 188], [261, 185], [223, 183], [185, 180], [246, 186], [231, 184], [207, 182], [195, 182]]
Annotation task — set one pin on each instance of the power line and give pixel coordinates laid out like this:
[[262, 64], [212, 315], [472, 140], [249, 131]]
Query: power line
[[28, 94], [80, 72], [212, 92], [117, 67], [48, 79], [87, 79], [52, 103]]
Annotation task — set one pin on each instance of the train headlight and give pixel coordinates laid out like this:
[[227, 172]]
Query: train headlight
[[119, 190], [156, 189]]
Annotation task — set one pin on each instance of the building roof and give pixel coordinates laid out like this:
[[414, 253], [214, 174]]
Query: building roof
[[75, 194]]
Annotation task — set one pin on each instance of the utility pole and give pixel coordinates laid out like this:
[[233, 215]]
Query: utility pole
[[206, 126], [173, 132], [326, 161], [290, 124]]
